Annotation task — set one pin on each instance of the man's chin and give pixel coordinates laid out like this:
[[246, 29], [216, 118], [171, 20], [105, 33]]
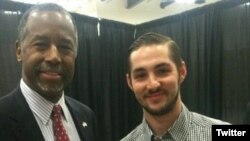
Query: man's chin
[[158, 111], [51, 89], [52, 95]]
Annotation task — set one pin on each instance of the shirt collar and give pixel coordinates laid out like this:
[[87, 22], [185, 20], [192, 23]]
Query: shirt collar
[[146, 129], [178, 131], [180, 128], [39, 105]]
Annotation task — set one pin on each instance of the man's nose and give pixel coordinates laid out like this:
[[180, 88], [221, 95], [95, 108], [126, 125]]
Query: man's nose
[[53, 54], [153, 82]]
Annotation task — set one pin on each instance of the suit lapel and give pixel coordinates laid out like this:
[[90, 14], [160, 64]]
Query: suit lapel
[[22, 120], [78, 120]]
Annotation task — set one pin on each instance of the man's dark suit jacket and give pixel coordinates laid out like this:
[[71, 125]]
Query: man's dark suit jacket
[[17, 123]]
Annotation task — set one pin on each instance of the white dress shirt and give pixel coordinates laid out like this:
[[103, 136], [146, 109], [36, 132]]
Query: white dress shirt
[[42, 110]]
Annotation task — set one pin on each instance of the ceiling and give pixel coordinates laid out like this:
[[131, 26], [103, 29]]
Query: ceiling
[[144, 11]]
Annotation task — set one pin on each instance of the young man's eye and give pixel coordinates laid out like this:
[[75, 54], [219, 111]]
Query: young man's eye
[[140, 76], [162, 71]]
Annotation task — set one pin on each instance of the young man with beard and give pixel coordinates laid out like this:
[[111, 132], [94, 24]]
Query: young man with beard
[[38, 110], [156, 72]]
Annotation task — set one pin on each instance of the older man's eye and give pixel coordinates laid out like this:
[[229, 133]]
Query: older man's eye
[[41, 44], [66, 47]]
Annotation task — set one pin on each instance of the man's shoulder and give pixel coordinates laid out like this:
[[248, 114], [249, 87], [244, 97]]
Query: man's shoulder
[[5, 106], [205, 121], [7, 101], [4, 100], [8, 107], [78, 106], [134, 134]]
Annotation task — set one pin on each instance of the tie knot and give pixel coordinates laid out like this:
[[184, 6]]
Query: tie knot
[[57, 110]]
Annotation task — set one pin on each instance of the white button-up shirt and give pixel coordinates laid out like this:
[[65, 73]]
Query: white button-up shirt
[[42, 110]]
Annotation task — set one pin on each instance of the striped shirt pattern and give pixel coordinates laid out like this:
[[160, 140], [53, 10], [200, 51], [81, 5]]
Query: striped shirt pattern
[[42, 110], [189, 126]]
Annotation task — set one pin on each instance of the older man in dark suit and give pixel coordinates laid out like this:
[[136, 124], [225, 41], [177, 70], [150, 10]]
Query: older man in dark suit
[[37, 109]]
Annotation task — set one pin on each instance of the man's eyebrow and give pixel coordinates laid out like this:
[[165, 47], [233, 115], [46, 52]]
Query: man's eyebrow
[[163, 65], [66, 40], [39, 37], [45, 38], [138, 70]]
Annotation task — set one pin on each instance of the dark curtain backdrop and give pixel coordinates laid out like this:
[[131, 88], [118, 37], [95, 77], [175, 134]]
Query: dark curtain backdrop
[[215, 43], [9, 68], [235, 41], [120, 112]]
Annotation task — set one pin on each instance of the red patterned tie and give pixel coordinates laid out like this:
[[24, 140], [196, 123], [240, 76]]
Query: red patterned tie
[[59, 131]]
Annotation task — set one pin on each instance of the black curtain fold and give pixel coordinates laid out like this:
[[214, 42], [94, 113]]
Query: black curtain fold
[[120, 110], [9, 68], [235, 38], [86, 60], [14, 6]]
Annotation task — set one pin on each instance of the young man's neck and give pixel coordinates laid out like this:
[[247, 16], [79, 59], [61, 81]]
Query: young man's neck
[[160, 124]]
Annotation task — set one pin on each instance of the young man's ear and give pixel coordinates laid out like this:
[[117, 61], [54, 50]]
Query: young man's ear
[[18, 51], [182, 71], [129, 81]]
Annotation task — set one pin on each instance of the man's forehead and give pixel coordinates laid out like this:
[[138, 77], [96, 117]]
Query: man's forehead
[[150, 50], [50, 18], [46, 14]]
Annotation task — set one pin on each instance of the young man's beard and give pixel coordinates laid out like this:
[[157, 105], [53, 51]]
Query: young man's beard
[[166, 108]]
